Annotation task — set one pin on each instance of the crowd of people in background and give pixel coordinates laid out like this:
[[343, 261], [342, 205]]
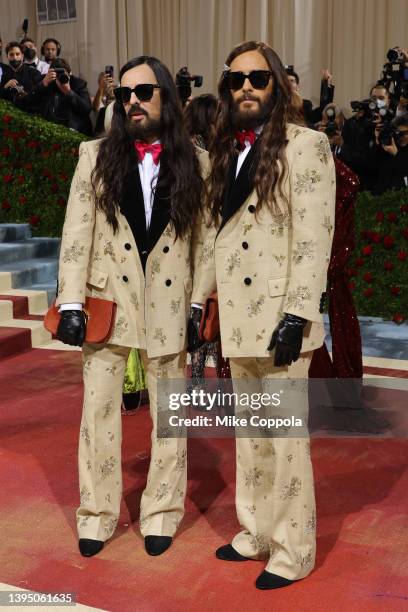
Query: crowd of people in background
[[373, 142]]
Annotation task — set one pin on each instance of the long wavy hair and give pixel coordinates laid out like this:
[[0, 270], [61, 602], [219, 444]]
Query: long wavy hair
[[270, 160], [182, 178]]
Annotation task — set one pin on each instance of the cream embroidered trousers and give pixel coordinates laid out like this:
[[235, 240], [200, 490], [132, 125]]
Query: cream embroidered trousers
[[274, 488], [99, 456]]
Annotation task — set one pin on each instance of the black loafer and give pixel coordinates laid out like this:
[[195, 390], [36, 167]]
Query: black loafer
[[89, 548], [266, 580], [156, 545], [228, 553]]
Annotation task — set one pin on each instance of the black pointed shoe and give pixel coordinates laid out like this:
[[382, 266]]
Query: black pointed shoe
[[156, 545], [89, 548], [228, 553], [266, 580]]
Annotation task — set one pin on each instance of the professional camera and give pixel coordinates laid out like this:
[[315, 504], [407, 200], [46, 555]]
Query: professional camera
[[183, 83], [395, 73], [368, 108], [62, 76], [331, 125], [387, 132], [17, 92]]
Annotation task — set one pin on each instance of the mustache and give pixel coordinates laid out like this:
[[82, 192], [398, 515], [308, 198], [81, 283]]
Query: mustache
[[136, 109], [247, 96]]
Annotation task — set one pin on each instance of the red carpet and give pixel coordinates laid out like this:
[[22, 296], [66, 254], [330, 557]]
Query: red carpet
[[361, 484]]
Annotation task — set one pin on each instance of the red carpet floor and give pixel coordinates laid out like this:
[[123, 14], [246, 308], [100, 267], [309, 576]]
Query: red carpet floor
[[361, 489]]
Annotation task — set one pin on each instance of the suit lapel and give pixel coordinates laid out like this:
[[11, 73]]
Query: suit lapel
[[239, 189], [132, 207], [161, 207]]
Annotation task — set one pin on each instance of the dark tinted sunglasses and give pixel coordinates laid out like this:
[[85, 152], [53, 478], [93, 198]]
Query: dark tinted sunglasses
[[144, 92], [259, 79]]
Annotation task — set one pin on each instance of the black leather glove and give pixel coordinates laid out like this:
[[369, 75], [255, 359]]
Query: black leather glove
[[72, 327], [193, 341], [287, 340]]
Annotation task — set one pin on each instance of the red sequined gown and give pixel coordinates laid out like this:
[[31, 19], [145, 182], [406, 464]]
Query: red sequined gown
[[347, 359]]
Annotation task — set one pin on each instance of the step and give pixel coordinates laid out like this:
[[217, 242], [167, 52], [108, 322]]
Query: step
[[49, 289], [27, 272], [14, 231], [27, 249], [37, 299], [38, 334], [13, 341]]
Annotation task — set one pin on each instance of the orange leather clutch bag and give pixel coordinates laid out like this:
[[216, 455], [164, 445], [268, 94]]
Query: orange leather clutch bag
[[100, 318], [209, 329]]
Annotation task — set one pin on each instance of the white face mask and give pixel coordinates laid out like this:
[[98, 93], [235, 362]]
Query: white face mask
[[381, 103]]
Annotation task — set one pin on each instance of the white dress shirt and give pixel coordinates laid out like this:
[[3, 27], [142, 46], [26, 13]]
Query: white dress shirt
[[39, 65], [148, 172]]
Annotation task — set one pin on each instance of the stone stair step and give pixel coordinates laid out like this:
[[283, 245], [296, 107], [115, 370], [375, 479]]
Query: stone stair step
[[27, 272], [48, 288], [14, 231], [38, 334], [28, 249], [37, 299]]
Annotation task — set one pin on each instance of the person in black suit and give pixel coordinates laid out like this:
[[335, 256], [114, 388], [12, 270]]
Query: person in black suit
[[65, 98], [19, 81], [392, 159]]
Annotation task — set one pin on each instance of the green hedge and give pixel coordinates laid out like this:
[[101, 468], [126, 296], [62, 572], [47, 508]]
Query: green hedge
[[37, 160]]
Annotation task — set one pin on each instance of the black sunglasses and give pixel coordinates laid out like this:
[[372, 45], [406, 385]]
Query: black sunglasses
[[144, 92], [259, 79]]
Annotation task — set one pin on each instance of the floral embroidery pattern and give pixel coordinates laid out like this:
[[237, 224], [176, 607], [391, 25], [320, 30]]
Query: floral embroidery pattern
[[106, 469], [207, 253], [83, 190], [304, 560], [89, 465], [85, 218], [160, 335], [134, 301], [306, 182], [85, 495], [253, 478], [259, 335], [304, 249], [300, 212], [279, 259], [247, 227], [310, 526], [230, 303], [155, 267], [234, 261], [297, 297], [73, 253], [175, 306], [236, 336], [97, 257], [323, 151], [61, 285], [251, 509], [181, 461], [255, 306], [327, 224], [121, 327], [293, 523], [111, 370], [291, 490], [110, 526], [162, 491], [85, 435], [109, 250], [259, 542]]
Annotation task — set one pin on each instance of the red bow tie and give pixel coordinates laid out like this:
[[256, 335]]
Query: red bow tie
[[142, 148], [245, 135]]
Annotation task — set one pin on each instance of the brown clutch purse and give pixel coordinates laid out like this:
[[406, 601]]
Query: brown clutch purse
[[210, 321], [100, 317]]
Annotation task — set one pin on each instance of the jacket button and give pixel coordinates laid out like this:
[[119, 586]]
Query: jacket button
[[125, 279], [168, 282], [247, 280], [245, 245], [251, 208], [166, 249], [128, 246]]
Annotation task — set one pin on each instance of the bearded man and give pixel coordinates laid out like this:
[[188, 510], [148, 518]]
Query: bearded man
[[134, 202], [271, 193]]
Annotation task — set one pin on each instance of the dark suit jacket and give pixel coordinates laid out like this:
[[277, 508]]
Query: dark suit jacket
[[27, 76], [71, 110]]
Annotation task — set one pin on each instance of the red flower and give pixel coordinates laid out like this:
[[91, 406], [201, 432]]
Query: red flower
[[375, 237], [22, 199], [402, 255], [379, 216], [352, 272], [34, 219], [388, 266], [352, 285], [368, 292], [392, 217], [6, 205], [395, 290], [28, 166], [20, 179], [404, 208], [32, 144], [7, 118], [56, 146], [7, 178], [54, 187], [368, 277], [47, 173], [359, 261], [45, 154], [398, 318], [367, 250], [62, 202], [5, 152], [388, 242], [63, 176]]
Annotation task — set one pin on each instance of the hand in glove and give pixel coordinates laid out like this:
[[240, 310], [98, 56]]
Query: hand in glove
[[71, 328], [287, 340], [193, 341]]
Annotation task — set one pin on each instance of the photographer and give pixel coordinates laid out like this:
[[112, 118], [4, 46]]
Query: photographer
[[392, 156], [332, 125], [65, 98], [19, 82], [50, 49], [30, 56]]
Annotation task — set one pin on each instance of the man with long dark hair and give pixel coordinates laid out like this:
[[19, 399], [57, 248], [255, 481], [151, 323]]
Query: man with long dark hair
[[271, 192], [134, 203]]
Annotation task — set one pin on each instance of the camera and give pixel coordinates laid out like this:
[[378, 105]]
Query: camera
[[368, 108], [395, 72], [62, 76], [331, 126], [183, 83]]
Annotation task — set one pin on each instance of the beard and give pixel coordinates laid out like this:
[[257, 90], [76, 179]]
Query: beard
[[151, 128], [250, 119]]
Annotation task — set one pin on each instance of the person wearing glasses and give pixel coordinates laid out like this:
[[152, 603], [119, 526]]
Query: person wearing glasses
[[271, 193], [134, 205]]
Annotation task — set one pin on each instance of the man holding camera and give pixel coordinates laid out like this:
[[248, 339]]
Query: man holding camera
[[65, 99], [20, 83], [392, 156]]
